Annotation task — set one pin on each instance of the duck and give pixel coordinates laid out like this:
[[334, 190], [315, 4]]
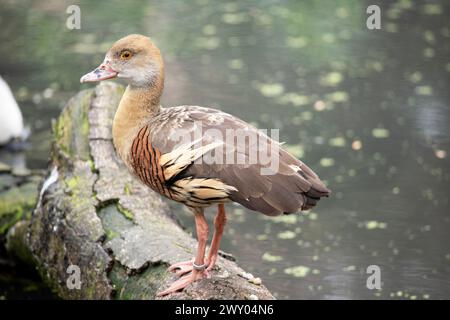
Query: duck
[[11, 119], [196, 155]]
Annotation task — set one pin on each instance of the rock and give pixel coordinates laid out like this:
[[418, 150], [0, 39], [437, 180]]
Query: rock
[[256, 281]]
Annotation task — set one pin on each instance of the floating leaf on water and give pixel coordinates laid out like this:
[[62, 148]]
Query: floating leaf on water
[[307, 115], [209, 30], [295, 149], [391, 27], [271, 258], [370, 225], [271, 89], [288, 234], [337, 142], [342, 12], [298, 271], [375, 65], [428, 52], [380, 133], [338, 96], [331, 79], [262, 237], [234, 18], [312, 216], [235, 64], [287, 218], [328, 37], [404, 4], [424, 90], [294, 98], [272, 271], [327, 162], [415, 77], [209, 43], [349, 268], [296, 42], [429, 36], [432, 9]]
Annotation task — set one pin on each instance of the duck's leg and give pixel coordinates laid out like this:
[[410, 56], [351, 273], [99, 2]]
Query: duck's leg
[[181, 268], [199, 266], [219, 224], [184, 267]]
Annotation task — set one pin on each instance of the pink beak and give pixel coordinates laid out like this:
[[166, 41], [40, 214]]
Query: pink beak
[[103, 72]]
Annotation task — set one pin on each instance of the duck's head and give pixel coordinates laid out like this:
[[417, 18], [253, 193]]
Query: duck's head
[[134, 58]]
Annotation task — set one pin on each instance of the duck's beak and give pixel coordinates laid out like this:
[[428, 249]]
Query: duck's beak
[[102, 72]]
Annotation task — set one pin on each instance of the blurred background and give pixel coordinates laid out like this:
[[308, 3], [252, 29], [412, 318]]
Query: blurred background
[[368, 110]]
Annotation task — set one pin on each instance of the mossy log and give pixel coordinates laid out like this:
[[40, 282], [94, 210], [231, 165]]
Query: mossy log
[[93, 214]]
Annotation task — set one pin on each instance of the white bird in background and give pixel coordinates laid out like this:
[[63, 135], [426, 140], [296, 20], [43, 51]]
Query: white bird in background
[[11, 120]]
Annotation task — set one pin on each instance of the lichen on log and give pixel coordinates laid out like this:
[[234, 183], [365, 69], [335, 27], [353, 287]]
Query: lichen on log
[[17, 196], [93, 214]]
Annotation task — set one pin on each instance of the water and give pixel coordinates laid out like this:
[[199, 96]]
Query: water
[[367, 110]]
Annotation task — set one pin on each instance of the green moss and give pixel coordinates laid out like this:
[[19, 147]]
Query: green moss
[[60, 132], [127, 189], [16, 204], [141, 286], [127, 213], [111, 234], [91, 164], [16, 242], [73, 121], [72, 183], [114, 222]]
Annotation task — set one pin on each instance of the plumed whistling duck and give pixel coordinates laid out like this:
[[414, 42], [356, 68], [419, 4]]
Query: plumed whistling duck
[[143, 134]]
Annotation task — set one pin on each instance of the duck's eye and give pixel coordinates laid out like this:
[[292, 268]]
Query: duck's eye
[[125, 55]]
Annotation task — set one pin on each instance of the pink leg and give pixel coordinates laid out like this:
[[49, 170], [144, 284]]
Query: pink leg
[[219, 224], [202, 234]]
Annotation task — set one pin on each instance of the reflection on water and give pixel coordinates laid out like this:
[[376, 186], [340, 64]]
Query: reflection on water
[[368, 110]]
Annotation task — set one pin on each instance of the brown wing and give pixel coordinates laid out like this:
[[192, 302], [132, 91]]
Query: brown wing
[[161, 172], [292, 187]]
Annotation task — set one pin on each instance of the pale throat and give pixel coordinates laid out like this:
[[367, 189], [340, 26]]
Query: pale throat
[[137, 106]]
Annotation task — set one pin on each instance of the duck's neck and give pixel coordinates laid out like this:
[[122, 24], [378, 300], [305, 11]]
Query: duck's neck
[[137, 106]]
